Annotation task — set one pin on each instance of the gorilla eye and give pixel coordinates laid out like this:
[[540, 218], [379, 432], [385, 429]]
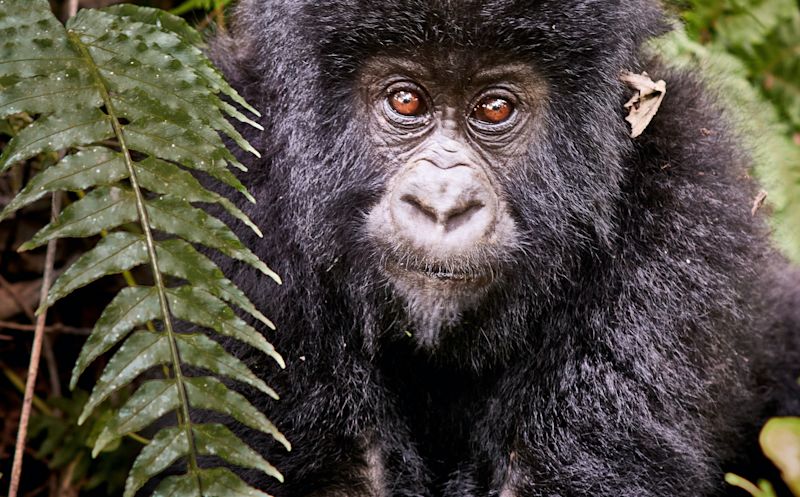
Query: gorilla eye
[[407, 103], [492, 110]]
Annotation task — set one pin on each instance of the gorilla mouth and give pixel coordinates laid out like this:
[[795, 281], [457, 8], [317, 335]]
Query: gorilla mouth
[[440, 275], [446, 275]]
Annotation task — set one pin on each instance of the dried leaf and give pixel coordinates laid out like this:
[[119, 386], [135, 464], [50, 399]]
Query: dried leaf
[[758, 202], [643, 106]]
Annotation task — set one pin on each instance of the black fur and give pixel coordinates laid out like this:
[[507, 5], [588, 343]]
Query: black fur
[[627, 351]]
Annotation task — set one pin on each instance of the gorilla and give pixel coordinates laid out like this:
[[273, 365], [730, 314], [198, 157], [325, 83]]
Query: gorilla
[[490, 288]]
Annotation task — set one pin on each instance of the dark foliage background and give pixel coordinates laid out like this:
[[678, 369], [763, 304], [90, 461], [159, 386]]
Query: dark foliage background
[[749, 51]]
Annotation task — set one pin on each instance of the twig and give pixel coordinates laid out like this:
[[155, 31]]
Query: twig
[[36, 351], [49, 356], [65, 489], [70, 9], [54, 328], [44, 408], [20, 385]]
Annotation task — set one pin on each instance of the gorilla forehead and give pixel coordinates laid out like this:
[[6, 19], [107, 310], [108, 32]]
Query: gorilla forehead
[[549, 32]]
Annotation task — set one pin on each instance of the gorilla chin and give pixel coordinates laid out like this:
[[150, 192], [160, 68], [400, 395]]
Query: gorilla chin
[[436, 297]]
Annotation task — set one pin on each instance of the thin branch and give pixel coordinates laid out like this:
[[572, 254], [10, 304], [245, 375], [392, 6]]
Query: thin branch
[[49, 356], [70, 8], [33, 368], [55, 328]]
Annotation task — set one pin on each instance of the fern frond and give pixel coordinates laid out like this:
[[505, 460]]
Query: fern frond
[[128, 97]]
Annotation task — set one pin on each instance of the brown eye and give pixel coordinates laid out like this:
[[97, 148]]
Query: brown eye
[[493, 110], [407, 103]]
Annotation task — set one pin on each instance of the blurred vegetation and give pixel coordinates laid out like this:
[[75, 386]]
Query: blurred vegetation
[[748, 51]]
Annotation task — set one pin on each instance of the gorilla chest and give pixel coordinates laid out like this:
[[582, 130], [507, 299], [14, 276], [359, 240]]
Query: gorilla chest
[[441, 407]]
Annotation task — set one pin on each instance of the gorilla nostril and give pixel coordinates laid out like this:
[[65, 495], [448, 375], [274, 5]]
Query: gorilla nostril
[[442, 211], [420, 207], [462, 216]]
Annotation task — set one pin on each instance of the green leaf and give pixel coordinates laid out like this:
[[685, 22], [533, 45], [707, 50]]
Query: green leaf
[[122, 251], [34, 43], [79, 171], [114, 254], [158, 18], [764, 488], [131, 307], [176, 216], [180, 259], [216, 169], [217, 440], [780, 441], [219, 482], [168, 179], [210, 393], [193, 58], [176, 108], [191, 149], [128, 99], [102, 209], [42, 94], [152, 400], [164, 51], [140, 352], [55, 132], [216, 482], [167, 446], [187, 485], [200, 307], [199, 350]]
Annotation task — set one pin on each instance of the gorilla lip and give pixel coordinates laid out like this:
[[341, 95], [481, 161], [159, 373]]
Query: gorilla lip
[[441, 275], [444, 275]]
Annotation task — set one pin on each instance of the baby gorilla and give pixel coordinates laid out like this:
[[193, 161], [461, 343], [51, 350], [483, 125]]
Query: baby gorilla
[[490, 288]]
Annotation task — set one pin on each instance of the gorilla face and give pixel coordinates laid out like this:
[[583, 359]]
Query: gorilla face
[[446, 140]]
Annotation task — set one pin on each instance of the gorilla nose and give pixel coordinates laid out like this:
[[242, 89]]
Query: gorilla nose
[[443, 210]]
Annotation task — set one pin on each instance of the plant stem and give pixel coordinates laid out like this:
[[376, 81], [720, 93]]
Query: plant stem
[[36, 352], [183, 413]]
